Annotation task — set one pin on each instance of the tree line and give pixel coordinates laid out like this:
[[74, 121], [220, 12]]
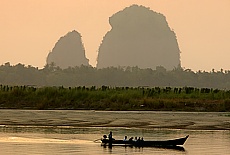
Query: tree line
[[114, 98], [51, 75]]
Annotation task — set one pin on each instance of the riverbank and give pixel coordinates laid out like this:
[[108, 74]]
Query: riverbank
[[113, 119], [115, 98]]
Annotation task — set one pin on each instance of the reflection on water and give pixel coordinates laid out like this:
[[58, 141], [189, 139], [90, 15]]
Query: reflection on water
[[23, 139]]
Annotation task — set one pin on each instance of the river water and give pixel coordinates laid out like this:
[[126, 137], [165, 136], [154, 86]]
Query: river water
[[31, 132]]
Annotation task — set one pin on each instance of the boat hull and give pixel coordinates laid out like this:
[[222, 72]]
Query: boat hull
[[174, 142]]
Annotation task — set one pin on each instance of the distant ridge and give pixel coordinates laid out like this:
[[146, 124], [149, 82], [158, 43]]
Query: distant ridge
[[139, 37], [68, 51]]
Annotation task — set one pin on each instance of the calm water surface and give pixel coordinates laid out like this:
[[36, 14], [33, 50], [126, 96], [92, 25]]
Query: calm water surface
[[38, 139]]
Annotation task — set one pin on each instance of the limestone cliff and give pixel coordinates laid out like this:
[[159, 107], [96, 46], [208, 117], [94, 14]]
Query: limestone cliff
[[68, 51], [139, 37]]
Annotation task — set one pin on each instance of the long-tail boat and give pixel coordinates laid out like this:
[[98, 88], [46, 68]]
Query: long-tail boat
[[143, 143]]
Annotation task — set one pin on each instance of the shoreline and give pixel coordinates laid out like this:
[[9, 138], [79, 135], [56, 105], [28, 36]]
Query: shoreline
[[113, 119], [115, 98]]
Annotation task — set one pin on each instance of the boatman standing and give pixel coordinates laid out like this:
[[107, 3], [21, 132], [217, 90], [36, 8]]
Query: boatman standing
[[110, 135], [110, 138]]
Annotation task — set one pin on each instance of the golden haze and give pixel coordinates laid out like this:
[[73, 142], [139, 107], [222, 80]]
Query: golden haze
[[30, 28]]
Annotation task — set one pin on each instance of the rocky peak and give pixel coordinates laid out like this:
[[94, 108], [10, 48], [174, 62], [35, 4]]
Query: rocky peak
[[139, 37], [68, 51]]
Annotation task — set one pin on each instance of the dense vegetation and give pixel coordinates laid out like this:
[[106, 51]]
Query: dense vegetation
[[88, 76], [115, 98], [122, 88]]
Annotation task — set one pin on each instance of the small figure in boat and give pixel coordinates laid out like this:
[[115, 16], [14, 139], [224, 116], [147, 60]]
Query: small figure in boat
[[131, 139], [125, 139], [104, 137], [135, 139], [110, 136]]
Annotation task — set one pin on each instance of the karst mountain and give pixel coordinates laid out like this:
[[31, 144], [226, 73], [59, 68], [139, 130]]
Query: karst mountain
[[139, 37], [68, 52]]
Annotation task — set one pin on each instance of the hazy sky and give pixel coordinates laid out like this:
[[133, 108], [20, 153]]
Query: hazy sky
[[29, 29]]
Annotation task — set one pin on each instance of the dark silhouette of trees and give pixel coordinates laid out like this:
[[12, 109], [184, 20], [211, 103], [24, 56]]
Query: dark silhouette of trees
[[52, 75]]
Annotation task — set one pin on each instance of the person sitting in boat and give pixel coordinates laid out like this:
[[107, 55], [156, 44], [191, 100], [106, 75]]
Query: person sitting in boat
[[142, 139], [139, 139], [104, 137], [125, 139], [135, 139], [131, 139]]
